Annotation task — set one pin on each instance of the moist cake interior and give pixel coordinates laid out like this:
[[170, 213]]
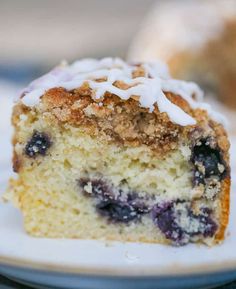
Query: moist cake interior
[[86, 185]]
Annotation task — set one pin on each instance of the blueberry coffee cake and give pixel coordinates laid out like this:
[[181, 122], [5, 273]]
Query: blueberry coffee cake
[[199, 43], [105, 149]]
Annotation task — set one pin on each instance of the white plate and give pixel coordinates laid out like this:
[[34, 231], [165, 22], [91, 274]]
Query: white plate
[[97, 264]]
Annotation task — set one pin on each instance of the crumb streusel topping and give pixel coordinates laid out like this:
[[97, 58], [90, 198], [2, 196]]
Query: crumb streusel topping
[[146, 82]]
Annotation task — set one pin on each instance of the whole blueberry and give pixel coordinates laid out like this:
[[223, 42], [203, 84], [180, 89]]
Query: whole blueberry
[[166, 215], [117, 211], [164, 218], [112, 202], [38, 144], [207, 161]]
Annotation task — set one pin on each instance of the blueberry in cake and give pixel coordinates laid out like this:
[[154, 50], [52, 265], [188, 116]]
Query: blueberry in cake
[[198, 43], [105, 149]]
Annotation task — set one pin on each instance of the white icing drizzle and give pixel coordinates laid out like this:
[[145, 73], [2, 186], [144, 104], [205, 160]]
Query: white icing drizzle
[[149, 89]]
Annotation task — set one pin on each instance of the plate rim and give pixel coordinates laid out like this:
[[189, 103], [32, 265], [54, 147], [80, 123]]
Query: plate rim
[[140, 271]]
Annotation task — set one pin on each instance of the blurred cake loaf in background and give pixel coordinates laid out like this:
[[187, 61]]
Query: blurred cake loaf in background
[[198, 41]]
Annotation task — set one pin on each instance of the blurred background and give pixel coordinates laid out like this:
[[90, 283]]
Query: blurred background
[[37, 35]]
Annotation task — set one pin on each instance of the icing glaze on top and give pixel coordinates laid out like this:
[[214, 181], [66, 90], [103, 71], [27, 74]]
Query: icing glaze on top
[[193, 23], [149, 89]]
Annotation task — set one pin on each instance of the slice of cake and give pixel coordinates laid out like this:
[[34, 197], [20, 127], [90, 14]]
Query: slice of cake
[[117, 151]]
